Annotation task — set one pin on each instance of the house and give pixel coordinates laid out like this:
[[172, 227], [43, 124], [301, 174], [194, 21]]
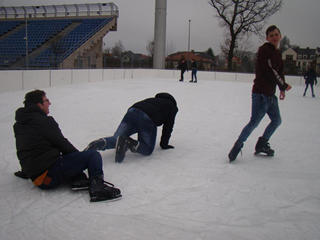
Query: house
[[135, 59], [203, 60], [297, 60]]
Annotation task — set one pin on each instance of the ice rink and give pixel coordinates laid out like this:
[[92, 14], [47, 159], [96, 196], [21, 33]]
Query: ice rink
[[190, 192]]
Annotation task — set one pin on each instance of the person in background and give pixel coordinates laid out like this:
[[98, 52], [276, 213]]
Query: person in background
[[194, 71], [48, 158], [311, 78], [183, 67]]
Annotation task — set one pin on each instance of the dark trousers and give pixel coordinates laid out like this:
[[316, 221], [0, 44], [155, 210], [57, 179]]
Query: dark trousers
[[72, 165]]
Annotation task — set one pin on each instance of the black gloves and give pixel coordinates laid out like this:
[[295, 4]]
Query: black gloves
[[21, 174]]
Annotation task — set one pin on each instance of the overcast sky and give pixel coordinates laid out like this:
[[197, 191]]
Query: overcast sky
[[298, 20]]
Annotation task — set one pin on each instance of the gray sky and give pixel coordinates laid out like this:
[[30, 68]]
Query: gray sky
[[298, 20]]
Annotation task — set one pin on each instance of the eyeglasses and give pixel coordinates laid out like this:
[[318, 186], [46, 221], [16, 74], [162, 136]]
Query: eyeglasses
[[47, 100]]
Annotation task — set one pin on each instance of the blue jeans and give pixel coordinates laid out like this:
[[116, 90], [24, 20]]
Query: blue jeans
[[136, 121], [194, 73], [261, 105], [73, 164], [311, 86]]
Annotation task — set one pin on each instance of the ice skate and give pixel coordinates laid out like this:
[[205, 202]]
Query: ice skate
[[101, 190], [263, 148], [99, 144], [80, 182], [123, 144], [235, 150]]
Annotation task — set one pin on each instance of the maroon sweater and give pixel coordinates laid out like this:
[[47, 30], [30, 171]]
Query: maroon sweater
[[269, 71]]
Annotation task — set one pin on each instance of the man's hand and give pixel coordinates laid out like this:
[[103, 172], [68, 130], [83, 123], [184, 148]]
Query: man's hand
[[283, 93]]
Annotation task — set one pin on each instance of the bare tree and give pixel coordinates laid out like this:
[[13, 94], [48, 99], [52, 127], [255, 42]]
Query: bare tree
[[170, 48], [118, 49], [284, 44], [150, 47], [241, 17]]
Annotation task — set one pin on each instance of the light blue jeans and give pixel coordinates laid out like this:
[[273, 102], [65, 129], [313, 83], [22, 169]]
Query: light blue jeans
[[261, 105], [136, 121]]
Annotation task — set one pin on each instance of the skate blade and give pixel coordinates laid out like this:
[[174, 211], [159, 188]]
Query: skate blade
[[261, 154], [106, 200]]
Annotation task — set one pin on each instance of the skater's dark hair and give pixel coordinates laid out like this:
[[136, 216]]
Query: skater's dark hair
[[272, 28], [35, 96]]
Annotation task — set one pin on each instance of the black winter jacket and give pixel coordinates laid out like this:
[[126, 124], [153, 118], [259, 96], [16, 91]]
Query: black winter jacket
[[39, 140], [162, 109], [183, 66], [269, 71], [310, 77]]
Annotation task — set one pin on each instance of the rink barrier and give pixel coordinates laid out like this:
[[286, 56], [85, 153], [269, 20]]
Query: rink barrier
[[16, 80]]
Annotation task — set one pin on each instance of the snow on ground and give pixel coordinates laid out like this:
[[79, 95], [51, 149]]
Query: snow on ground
[[190, 192]]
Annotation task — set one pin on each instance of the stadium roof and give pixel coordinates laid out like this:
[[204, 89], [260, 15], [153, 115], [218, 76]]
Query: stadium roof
[[65, 10]]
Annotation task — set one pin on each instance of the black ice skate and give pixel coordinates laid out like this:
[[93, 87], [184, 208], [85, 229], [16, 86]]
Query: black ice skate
[[122, 145], [103, 191], [235, 150], [80, 182], [263, 148], [99, 144]]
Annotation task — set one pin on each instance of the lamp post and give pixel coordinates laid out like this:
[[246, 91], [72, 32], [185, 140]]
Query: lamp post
[[27, 52], [189, 43]]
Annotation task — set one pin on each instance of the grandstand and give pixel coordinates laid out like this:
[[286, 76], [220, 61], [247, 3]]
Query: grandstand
[[55, 36]]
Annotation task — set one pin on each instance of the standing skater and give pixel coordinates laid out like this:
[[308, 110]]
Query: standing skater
[[48, 158], [310, 78], [194, 71], [269, 74], [183, 67]]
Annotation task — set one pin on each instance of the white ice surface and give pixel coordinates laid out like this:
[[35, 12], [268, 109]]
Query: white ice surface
[[191, 192]]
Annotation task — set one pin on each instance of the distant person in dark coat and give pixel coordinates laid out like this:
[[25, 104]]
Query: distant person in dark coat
[[311, 78], [142, 118], [194, 71], [183, 67]]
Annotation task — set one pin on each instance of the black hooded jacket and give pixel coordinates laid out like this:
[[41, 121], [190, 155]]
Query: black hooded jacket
[[39, 140], [162, 109]]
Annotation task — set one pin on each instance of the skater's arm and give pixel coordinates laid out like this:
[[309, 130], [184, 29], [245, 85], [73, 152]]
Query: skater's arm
[[283, 93]]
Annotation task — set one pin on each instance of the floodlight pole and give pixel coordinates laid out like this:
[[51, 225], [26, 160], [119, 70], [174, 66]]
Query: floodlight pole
[[159, 48], [189, 43], [27, 47]]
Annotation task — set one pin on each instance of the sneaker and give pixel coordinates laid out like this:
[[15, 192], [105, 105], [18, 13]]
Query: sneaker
[[181, 80], [99, 144], [122, 145], [101, 190], [263, 147], [191, 81], [235, 150], [80, 182]]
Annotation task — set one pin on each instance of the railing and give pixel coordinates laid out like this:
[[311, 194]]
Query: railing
[[65, 10]]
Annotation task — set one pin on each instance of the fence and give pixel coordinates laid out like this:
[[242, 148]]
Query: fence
[[16, 80]]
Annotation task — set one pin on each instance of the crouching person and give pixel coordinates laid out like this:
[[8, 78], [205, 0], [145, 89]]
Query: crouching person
[[48, 158], [142, 118]]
